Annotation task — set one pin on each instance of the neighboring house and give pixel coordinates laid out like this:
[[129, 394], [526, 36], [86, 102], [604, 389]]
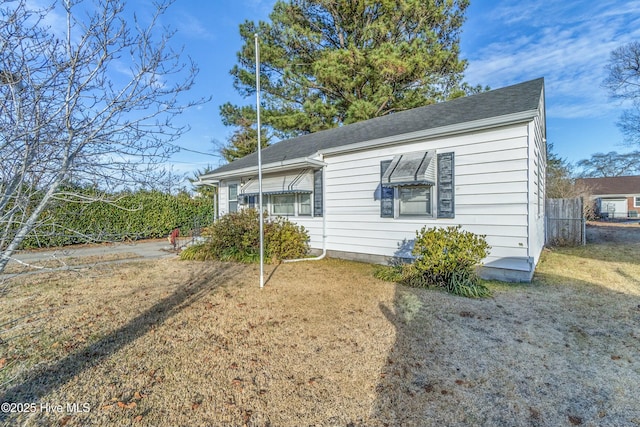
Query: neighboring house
[[615, 197], [363, 190]]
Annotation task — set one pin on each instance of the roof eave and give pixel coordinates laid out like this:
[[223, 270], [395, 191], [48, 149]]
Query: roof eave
[[491, 122], [302, 162], [614, 195], [524, 116], [200, 182]]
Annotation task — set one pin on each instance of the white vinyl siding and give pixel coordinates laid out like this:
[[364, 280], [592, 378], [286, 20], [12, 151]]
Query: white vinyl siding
[[537, 176], [491, 196], [313, 226], [223, 198]]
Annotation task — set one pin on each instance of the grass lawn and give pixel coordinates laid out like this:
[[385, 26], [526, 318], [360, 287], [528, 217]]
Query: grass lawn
[[174, 343]]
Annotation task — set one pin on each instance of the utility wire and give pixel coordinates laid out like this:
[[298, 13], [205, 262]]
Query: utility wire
[[192, 151]]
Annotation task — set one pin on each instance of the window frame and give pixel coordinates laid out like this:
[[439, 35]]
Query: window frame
[[441, 187], [272, 204], [636, 201], [428, 203], [232, 201], [299, 204]]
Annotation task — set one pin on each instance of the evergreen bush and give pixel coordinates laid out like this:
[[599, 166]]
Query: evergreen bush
[[121, 216], [444, 257], [236, 237]]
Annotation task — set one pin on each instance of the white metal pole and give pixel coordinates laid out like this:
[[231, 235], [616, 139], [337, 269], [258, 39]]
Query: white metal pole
[[259, 163]]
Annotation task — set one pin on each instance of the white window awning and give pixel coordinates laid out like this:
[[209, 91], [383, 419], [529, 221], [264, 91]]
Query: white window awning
[[411, 169], [295, 182]]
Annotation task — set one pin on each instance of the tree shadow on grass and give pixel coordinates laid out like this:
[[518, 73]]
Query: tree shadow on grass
[[538, 355], [46, 379]]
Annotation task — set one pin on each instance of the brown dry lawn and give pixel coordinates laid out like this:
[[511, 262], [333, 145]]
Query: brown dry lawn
[[172, 343]]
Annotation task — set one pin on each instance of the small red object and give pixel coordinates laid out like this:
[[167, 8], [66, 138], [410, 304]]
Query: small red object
[[174, 236]]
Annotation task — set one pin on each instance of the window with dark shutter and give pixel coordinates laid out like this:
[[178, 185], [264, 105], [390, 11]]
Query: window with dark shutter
[[386, 193], [446, 185], [317, 193]]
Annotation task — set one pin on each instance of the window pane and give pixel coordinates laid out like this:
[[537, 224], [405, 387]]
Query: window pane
[[233, 197], [283, 204], [415, 200], [305, 204], [233, 191]]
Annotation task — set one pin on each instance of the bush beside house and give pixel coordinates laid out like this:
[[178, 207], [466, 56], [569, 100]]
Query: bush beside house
[[236, 237], [444, 257]]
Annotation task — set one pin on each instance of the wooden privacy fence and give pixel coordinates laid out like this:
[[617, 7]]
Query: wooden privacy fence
[[565, 222]]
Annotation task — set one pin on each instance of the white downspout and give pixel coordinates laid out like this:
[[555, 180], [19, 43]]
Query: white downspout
[[324, 223]]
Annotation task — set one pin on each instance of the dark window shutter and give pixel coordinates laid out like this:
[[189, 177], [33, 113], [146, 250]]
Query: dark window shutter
[[386, 193], [446, 186], [317, 193]]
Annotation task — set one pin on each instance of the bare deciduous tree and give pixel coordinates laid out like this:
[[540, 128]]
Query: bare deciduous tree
[[90, 102], [561, 183], [610, 164], [623, 82]]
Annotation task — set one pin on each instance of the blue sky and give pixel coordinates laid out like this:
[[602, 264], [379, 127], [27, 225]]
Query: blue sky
[[505, 42]]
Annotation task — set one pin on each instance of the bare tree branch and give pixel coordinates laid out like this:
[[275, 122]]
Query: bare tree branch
[[623, 82], [610, 164], [95, 106]]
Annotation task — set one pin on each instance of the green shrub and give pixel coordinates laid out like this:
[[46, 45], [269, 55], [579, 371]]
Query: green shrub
[[444, 257], [442, 252], [236, 237], [199, 252], [285, 240], [124, 216]]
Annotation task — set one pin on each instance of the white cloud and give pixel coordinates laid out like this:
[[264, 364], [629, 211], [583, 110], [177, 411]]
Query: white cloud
[[190, 26], [263, 7], [568, 43]]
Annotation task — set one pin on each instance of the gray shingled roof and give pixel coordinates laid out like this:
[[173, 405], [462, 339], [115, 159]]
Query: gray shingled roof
[[509, 100]]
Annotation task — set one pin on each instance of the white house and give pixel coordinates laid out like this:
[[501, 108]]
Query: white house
[[363, 190]]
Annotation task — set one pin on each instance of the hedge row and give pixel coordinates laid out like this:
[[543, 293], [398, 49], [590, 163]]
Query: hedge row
[[125, 216]]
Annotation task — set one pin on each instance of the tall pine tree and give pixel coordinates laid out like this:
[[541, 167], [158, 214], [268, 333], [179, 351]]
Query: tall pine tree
[[325, 63]]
